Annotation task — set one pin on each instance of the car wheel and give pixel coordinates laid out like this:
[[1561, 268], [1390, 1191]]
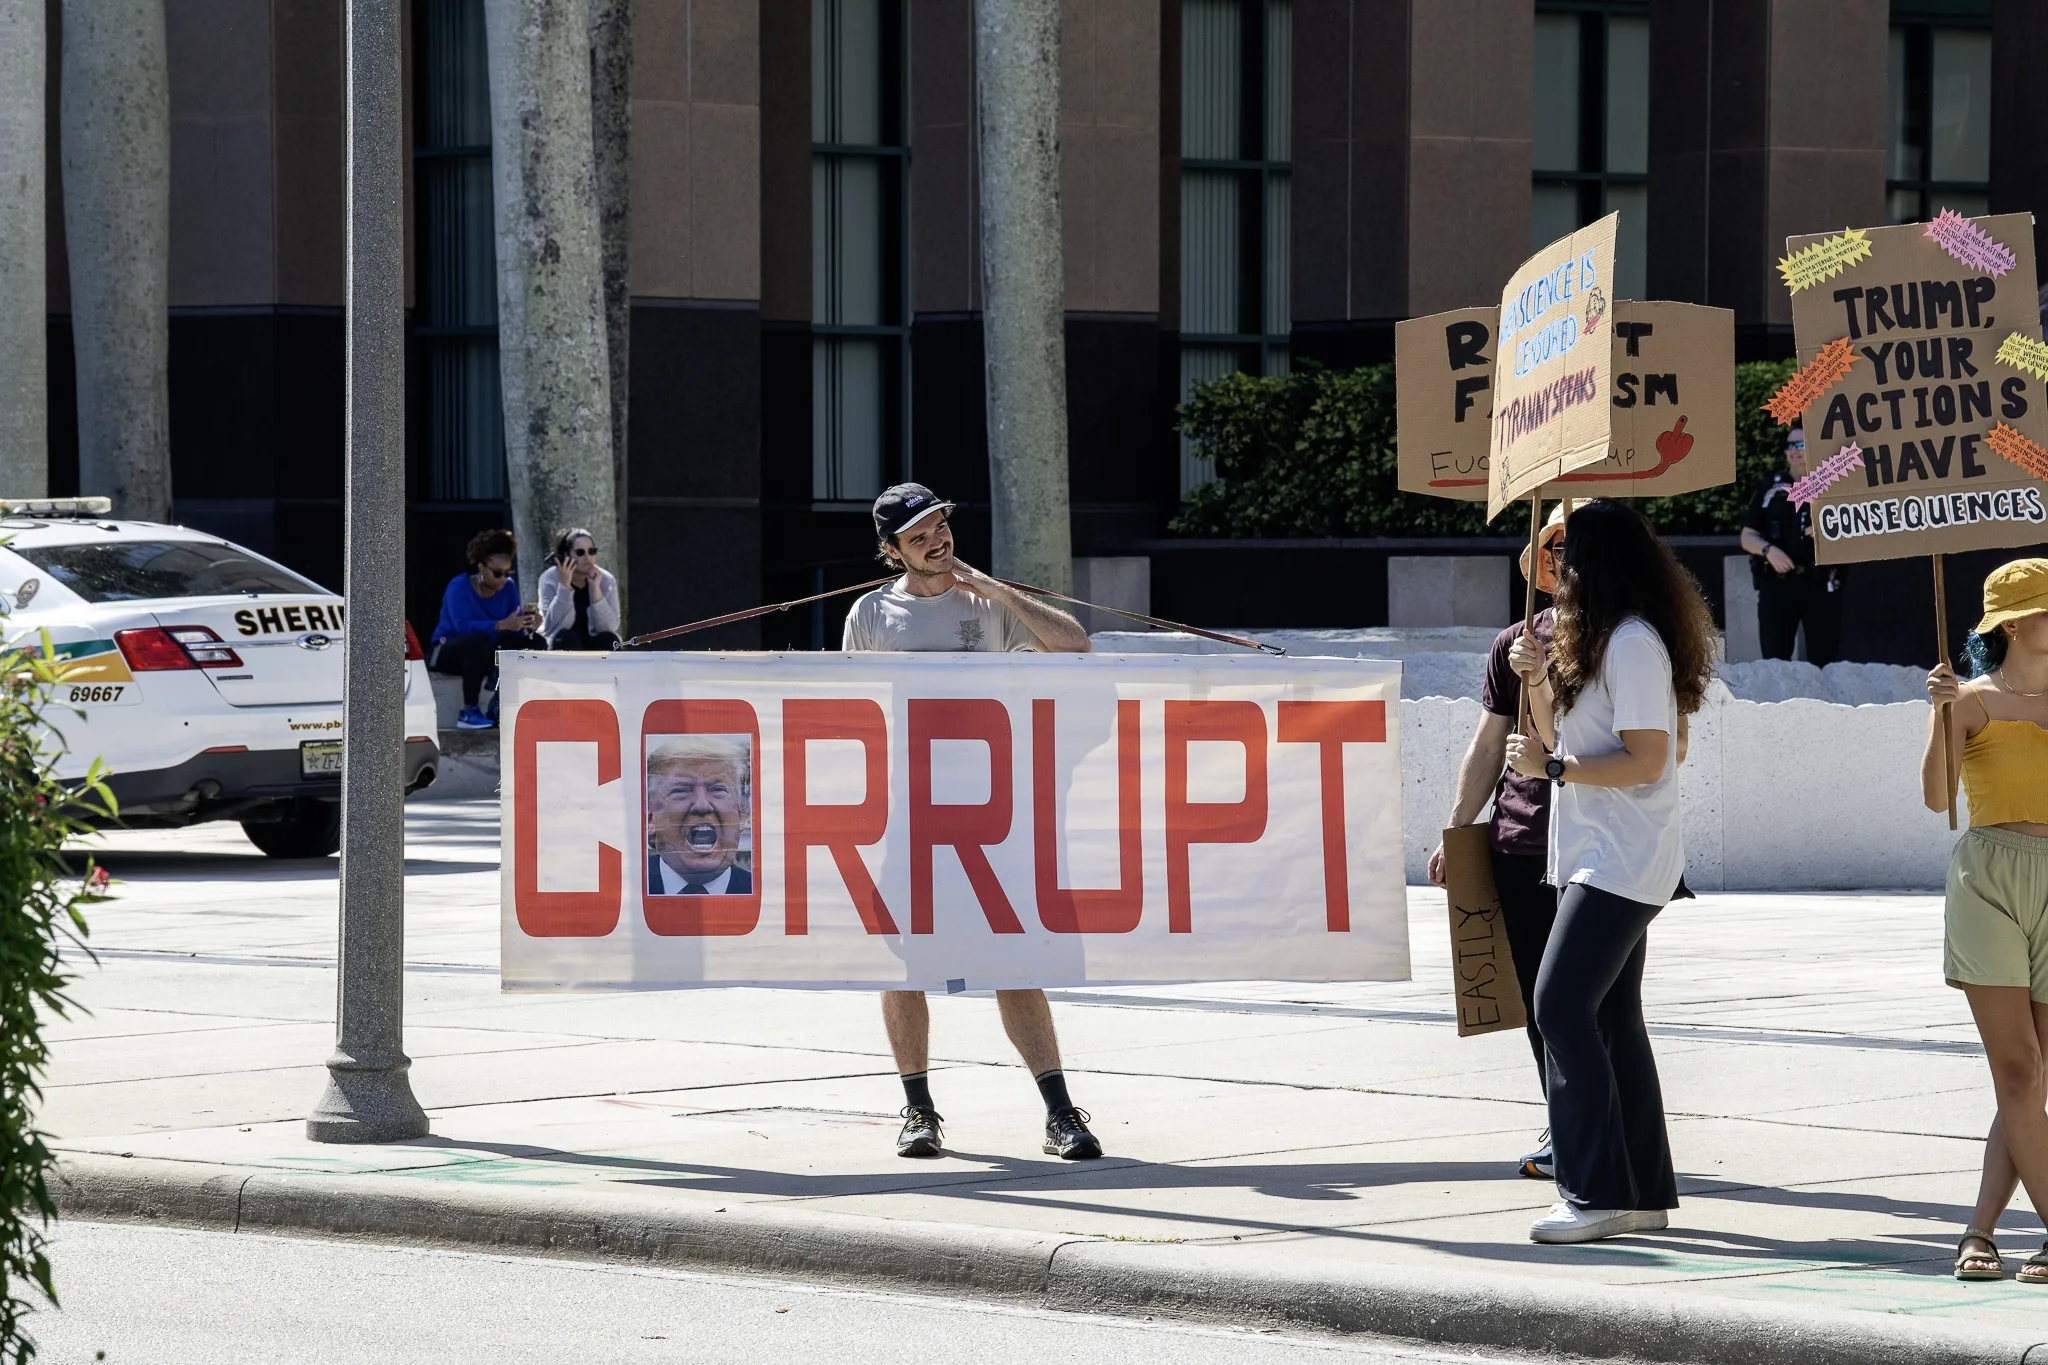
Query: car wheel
[[309, 829]]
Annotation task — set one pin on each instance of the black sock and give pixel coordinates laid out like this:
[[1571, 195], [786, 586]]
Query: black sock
[[918, 1091], [1053, 1085]]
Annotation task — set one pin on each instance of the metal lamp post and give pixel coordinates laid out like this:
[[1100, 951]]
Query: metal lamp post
[[368, 1096]]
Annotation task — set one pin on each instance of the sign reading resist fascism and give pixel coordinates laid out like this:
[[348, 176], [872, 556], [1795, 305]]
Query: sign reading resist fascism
[[1933, 375], [1672, 412], [949, 821]]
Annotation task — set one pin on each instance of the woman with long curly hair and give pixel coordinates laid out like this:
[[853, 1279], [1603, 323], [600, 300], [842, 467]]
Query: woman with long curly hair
[[1632, 654]]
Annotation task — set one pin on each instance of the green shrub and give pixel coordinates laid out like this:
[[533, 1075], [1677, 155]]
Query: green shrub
[[39, 912], [1312, 454]]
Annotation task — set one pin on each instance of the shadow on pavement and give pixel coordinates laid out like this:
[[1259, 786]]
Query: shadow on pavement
[[1009, 1180]]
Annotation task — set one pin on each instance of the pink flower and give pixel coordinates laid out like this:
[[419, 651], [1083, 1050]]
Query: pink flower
[[98, 880]]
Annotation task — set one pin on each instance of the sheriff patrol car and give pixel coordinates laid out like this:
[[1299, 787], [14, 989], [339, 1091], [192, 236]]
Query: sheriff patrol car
[[206, 676]]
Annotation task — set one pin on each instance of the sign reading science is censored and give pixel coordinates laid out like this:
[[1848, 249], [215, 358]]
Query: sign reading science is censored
[[1555, 367], [1672, 409], [1924, 390], [935, 821]]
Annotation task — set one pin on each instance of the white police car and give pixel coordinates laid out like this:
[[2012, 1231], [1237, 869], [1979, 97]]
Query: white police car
[[206, 676]]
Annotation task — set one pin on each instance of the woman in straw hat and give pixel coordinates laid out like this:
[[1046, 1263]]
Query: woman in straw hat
[[1995, 944]]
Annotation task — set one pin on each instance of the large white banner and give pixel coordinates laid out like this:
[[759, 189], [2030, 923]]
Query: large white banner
[[949, 821]]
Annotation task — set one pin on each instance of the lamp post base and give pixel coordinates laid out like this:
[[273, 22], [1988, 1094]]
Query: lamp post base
[[367, 1102]]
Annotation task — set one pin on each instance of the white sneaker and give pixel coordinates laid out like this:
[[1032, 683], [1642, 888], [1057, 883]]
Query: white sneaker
[[1570, 1223], [1652, 1220]]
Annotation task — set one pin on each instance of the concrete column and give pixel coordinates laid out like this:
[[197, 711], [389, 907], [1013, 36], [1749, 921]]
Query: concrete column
[[116, 133], [611, 118], [24, 283], [552, 357], [1017, 51], [369, 1096]]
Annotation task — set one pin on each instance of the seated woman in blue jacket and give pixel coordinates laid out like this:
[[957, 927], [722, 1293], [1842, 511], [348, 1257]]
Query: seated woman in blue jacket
[[481, 613]]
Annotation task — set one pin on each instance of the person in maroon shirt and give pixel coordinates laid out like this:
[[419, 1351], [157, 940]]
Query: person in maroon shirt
[[1520, 838], [1520, 824]]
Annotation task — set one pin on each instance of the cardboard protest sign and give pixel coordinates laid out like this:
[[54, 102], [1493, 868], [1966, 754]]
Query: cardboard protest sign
[[1672, 405], [1482, 969], [1929, 314], [949, 821], [1555, 370]]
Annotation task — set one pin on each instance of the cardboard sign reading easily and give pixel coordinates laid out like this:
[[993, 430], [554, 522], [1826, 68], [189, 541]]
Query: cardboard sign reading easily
[[1555, 367], [1926, 390], [1482, 969], [1672, 406]]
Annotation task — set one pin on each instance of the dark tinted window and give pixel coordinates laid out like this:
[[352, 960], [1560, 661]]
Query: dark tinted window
[[126, 570]]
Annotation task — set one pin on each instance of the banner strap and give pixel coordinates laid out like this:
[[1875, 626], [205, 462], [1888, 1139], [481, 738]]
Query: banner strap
[[751, 612]]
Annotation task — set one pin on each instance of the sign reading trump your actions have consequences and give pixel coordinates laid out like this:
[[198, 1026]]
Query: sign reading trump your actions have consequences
[[949, 821], [1920, 347]]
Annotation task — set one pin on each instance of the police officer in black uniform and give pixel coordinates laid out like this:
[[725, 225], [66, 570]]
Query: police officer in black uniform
[[1790, 588]]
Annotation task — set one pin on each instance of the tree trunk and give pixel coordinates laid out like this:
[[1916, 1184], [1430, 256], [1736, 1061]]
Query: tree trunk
[[116, 132], [1017, 50], [611, 68], [24, 282], [552, 358]]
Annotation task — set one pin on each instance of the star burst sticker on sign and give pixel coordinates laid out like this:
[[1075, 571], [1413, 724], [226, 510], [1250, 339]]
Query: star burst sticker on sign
[[2018, 450], [1824, 260], [1970, 244], [2023, 352], [1849, 457], [1829, 364]]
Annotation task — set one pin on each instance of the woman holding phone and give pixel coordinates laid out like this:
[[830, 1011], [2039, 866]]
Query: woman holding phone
[[1995, 924], [1632, 653], [579, 600]]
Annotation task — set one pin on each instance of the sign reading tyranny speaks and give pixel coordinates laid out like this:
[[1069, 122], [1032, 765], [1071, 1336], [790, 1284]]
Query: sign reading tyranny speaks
[[1672, 408], [1928, 314], [949, 821], [1555, 370]]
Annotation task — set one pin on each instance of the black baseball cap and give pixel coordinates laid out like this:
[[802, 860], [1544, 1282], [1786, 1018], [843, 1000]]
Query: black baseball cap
[[903, 504]]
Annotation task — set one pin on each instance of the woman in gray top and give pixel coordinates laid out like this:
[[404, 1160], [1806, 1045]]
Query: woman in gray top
[[579, 601]]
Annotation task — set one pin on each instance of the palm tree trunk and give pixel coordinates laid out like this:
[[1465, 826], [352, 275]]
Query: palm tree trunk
[[24, 270], [611, 67], [116, 132], [1017, 51], [552, 355]]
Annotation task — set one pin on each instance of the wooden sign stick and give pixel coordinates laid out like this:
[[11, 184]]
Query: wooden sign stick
[[1948, 734], [1529, 597]]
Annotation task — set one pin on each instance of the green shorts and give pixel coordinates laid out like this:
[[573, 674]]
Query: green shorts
[[1996, 925]]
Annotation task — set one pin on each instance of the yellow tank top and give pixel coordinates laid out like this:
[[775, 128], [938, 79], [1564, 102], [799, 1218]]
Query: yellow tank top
[[2005, 773]]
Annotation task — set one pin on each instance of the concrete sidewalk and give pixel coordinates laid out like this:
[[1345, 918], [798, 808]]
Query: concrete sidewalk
[[1333, 1155]]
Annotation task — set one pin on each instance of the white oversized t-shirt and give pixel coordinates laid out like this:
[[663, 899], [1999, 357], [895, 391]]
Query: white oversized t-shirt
[[1624, 840], [893, 619]]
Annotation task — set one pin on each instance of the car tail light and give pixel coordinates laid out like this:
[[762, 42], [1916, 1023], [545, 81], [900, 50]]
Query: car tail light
[[152, 650], [204, 647], [412, 645]]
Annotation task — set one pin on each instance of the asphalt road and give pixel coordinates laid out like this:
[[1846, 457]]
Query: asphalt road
[[170, 1296]]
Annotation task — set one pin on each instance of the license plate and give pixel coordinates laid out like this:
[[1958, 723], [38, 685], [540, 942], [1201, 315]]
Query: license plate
[[320, 758]]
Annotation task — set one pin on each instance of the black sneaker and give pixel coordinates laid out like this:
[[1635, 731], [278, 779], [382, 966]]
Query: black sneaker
[[1539, 1164], [1067, 1136], [920, 1135]]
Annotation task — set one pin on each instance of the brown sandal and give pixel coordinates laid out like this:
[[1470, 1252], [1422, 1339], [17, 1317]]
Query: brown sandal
[[2034, 1270], [1990, 1265]]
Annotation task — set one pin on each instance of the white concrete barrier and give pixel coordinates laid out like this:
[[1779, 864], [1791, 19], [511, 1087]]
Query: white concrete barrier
[[1793, 795]]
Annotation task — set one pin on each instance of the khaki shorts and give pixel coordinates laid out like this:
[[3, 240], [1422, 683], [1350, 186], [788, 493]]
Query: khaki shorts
[[1997, 918]]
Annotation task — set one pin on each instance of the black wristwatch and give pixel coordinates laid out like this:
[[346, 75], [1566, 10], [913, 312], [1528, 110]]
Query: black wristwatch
[[1554, 770]]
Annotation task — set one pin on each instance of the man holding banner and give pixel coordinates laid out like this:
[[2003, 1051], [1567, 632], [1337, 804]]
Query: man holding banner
[[942, 604]]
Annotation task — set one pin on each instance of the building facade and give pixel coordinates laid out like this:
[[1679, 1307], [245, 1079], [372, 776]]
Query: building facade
[[1245, 184]]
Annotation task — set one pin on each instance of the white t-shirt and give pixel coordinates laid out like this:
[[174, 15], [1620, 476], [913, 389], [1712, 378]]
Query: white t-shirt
[[956, 620], [1624, 840]]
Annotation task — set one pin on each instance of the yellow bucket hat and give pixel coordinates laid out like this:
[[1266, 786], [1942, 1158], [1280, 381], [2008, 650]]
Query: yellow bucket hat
[[2012, 591]]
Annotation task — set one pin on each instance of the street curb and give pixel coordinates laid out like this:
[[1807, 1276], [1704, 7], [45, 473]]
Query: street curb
[[1083, 1274]]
